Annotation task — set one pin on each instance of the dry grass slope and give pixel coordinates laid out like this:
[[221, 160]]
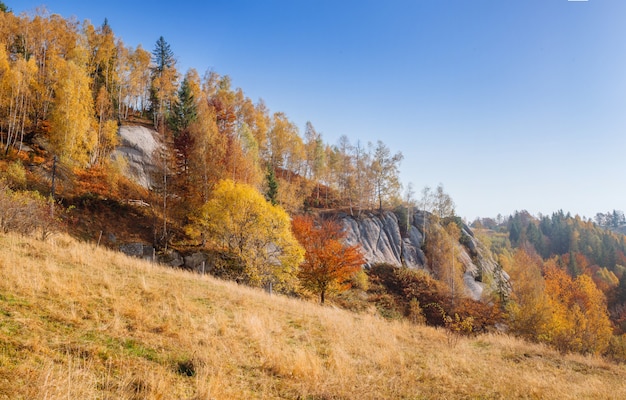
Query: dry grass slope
[[79, 322]]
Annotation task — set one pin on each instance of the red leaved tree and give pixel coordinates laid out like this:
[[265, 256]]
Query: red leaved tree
[[329, 263]]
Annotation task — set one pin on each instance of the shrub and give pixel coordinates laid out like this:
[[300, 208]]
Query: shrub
[[24, 212], [15, 176]]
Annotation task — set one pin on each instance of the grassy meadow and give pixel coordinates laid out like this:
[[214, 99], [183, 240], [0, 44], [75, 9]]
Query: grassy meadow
[[81, 322]]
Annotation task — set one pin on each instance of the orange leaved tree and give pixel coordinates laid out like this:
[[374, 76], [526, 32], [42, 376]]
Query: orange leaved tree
[[329, 263]]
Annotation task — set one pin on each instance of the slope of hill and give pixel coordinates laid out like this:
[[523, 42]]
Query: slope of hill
[[77, 321]]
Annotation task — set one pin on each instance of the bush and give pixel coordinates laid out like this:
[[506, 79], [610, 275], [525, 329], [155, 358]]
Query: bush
[[617, 348], [24, 213], [15, 176], [429, 292], [424, 299]]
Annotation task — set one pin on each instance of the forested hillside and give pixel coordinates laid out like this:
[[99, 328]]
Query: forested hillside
[[562, 257], [245, 187], [66, 86]]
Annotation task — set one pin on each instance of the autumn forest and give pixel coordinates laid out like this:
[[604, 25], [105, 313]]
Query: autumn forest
[[244, 184]]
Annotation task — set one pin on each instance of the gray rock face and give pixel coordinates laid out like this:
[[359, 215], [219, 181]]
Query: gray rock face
[[138, 145], [379, 237], [381, 242], [197, 262], [139, 250]]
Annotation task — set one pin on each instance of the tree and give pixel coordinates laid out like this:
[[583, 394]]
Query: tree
[[346, 171], [443, 203], [425, 203], [329, 263], [529, 312], [138, 80], [580, 320], [443, 257], [385, 168], [184, 110], [234, 117], [184, 114], [272, 186], [164, 78], [73, 136], [242, 222], [409, 205]]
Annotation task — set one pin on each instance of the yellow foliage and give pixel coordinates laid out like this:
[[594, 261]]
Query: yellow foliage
[[239, 219], [73, 136], [528, 310], [443, 256], [570, 314]]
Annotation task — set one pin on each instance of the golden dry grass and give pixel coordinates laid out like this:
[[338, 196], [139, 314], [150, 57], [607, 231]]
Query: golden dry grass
[[79, 322]]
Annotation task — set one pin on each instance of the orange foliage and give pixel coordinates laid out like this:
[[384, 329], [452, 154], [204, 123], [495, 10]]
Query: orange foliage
[[580, 320], [328, 263]]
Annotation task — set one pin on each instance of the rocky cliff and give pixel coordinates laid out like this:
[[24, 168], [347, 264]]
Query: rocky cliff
[[137, 147], [380, 237]]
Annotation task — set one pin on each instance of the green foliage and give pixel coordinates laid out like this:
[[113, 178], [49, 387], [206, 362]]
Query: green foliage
[[162, 55], [272, 186], [561, 234], [184, 111]]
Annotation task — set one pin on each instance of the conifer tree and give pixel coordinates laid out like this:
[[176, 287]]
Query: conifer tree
[[272, 186], [164, 78]]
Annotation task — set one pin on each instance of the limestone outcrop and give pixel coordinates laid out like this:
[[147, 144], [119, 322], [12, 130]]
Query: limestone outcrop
[[381, 240]]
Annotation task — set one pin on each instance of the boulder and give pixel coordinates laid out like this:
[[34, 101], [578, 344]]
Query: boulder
[[137, 147], [139, 250], [171, 258], [197, 262]]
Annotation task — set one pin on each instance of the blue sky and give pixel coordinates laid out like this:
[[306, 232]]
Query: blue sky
[[517, 104]]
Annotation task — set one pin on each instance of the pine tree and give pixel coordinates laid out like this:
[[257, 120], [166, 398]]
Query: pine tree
[[272, 186], [164, 78], [162, 56], [184, 110]]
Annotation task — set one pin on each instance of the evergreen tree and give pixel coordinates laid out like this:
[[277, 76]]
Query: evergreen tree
[[164, 81], [184, 111], [162, 56], [272, 186]]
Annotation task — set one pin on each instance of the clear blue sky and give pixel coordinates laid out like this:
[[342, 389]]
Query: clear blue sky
[[517, 104]]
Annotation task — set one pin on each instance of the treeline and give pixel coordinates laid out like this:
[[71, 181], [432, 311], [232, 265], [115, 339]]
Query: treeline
[[613, 219], [65, 86], [575, 246]]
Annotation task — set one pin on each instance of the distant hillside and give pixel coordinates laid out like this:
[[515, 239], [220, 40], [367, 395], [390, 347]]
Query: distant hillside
[[77, 321]]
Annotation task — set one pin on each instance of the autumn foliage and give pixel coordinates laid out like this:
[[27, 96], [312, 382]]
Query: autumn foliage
[[550, 306], [329, 263], [242, 222]]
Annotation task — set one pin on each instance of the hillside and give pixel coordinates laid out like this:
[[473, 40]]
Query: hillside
[[78, 321]]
